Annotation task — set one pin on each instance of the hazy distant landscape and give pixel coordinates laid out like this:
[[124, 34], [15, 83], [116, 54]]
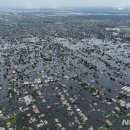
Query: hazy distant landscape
[[64, 68]]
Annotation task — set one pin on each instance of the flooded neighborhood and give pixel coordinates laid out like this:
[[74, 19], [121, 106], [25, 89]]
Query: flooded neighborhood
[[64, 69]]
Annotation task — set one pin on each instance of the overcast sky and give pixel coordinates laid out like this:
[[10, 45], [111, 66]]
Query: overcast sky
[[63, 3]]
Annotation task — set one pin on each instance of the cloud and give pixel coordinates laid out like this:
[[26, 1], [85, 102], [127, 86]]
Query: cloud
[[59, 3]]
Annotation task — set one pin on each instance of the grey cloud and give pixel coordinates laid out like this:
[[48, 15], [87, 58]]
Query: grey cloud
[[59, 3]]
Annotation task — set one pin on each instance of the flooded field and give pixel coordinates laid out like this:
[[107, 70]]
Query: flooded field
[[64, 72]]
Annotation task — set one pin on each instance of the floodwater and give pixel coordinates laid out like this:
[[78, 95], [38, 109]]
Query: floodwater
[[90, 71]]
